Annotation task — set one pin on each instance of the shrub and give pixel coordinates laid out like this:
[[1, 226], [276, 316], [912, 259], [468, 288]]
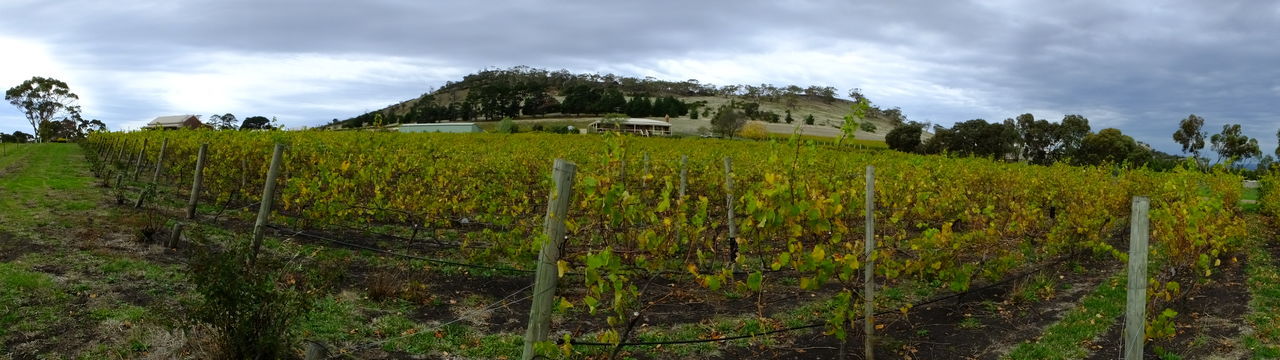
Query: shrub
[[867, 126], [247, 304], [754, 131], [508, 126]]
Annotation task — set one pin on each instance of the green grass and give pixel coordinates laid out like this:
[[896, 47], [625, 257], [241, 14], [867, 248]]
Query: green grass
[[1067, 339], [1263, 336], [1250, 194], [25, 297]]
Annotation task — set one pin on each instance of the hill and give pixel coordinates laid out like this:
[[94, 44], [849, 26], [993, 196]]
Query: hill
[[533, 96]]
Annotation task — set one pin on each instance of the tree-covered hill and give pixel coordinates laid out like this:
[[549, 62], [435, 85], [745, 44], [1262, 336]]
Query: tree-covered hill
[[527, 93]]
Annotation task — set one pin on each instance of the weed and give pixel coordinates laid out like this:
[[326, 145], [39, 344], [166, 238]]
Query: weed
[[246, 302]]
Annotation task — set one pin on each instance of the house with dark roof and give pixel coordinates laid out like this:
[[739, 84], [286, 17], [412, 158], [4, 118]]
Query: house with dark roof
[[174, 122]]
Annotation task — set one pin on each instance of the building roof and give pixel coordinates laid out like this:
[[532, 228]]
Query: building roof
[[638, 121], [172, 119]]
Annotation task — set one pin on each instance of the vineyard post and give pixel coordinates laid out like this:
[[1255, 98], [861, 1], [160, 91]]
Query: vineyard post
[[868, 274], [174, 235], [195, 183], [268, 194], [155, 178], [1136, 308], [684, 173], [315, 351], [622, 169], [728, 201], [647, 169], [123, 159], [545, 283], [137, 165]]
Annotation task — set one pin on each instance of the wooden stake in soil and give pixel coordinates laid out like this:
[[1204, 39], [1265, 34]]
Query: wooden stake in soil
[[684, 173], [545, 284], [868, 274], [315, 351], [174, 235], [196, 182], [728, 203], [1135, 312], [164, 145], [268, 195], [137, 165]]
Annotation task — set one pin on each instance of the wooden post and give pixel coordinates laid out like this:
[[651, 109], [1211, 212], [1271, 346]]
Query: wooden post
[[684, 173], [164, 145], [868, 273], [124, 156], [728, 203], [1136, 307], [647, 169], [315, 351], [268, 194], [142, 195], [196, 182], [545, 284], [137, 165], [622, 171], [174, 235]]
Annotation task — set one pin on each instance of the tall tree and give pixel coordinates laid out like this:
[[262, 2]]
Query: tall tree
[[1111, 145], [1190, 135], [223, 122], [905, 138], [1071, 133], [727, 121], [43, 100], [1038, 138], [261, 122], [1233, 144]]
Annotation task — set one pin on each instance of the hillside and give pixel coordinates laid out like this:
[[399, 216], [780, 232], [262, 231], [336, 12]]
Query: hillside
[[533, 96]]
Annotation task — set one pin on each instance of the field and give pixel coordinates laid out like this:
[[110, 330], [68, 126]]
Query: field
[[407, 245]]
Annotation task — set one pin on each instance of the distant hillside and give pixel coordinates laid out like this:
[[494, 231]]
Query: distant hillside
[[524, 93]]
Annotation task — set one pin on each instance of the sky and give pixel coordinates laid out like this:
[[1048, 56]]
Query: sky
[[1139, 66]]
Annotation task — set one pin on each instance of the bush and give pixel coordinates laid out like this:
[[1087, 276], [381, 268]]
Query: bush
[[904, 138], [867, 126], [754, 131], [247, 304], [508, 126], [808, 119]]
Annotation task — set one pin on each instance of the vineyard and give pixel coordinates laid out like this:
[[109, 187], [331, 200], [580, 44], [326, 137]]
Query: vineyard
[[776, 228]]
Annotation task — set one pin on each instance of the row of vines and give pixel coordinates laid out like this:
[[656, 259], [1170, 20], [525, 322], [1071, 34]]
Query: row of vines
[[949, 222]]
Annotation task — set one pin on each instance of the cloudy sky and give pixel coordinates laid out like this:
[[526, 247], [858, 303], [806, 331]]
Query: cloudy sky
[[1136, 65]]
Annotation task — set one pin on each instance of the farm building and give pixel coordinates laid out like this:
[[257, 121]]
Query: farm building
[[645, 127], [174, 122], [439, 127]]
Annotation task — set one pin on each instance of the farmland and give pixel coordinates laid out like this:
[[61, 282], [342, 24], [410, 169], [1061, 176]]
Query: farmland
[[395, 245]]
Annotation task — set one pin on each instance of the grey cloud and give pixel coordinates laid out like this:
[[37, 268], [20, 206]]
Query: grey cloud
[[1138, 65]]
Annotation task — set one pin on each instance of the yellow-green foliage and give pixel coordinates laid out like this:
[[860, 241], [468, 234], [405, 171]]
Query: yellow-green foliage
[[798, 204], [1269, 196]]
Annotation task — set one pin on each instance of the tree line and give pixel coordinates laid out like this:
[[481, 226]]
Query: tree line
[[1038, 141]]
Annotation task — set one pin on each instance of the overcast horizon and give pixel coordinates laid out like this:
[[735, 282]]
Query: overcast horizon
[[1130, 65]]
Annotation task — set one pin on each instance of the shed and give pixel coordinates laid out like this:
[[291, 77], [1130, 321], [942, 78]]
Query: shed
[[174, 122], [645, 127], [439, 127]]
